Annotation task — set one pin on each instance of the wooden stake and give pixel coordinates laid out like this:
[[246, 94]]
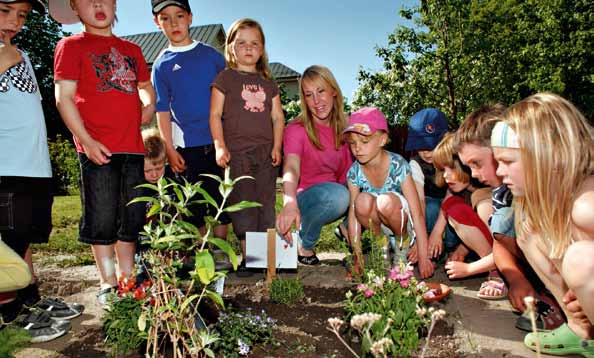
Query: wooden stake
[[271, 272]]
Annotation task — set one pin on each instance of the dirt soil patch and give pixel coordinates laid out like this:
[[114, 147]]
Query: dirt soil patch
[[472, 328]]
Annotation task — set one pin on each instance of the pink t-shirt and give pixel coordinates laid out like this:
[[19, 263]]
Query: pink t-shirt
[[317, 166]]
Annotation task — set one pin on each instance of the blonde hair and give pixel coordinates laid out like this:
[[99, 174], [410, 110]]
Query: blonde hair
[[262, 64], [154, 146], [322, 77], [556, 146], [445, 155]]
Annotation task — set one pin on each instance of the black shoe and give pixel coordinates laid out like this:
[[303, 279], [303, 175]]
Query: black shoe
[[243, 271], [308, 260], [41, 327], [58, 309]]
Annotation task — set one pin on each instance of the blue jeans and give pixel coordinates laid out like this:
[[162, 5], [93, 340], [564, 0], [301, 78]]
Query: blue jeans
[[432, 206], [320, 204]]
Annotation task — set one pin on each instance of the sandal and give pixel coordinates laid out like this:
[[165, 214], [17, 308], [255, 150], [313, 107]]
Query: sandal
[[560, 341], [308, 260], [548, 316], [495, 283]]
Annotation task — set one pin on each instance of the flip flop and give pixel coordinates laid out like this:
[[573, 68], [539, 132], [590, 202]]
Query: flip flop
[[560, 341], [495, 283], [308, 260]]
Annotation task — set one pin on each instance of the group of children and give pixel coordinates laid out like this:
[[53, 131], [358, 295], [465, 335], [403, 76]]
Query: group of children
[[513, 185]]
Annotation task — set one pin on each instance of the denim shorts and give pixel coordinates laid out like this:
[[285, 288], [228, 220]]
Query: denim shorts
[[25, 211], [202, 160], [105, 192]]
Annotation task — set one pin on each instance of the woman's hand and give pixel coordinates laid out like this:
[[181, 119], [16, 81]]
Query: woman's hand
[[288, 215], [223, 156]]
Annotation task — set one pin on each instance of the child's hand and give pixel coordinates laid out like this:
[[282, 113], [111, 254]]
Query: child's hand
[[276, 157], [9, 54], [435, 246], [223, 157], [413, 256], [426, 268], [176, 161], [147, 114], [456, 269], [96, 152]]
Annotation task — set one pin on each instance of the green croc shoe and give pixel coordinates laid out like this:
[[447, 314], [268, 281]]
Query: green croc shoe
[[560, 341]]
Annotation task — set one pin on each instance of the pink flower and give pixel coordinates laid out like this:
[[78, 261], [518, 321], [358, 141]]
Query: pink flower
[[361, 287], [369, 293], [404, 283]]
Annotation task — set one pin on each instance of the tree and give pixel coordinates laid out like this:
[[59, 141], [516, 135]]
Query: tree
[[456, 55], [38, 39]]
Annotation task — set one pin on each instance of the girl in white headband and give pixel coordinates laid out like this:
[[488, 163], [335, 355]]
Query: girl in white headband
[[545, 147]]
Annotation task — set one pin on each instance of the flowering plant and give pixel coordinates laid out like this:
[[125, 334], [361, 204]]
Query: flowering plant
[[239, 332], [388, 313]]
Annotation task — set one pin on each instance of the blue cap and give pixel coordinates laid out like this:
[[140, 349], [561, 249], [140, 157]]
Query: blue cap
[[425, 129]]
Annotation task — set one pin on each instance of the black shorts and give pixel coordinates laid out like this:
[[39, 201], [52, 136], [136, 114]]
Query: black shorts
[[202, 160], [25, 211]]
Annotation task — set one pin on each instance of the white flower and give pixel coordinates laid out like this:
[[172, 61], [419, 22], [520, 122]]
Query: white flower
[[377, 348], [335, 323], [244, 349], [359, 321], [438, 314]]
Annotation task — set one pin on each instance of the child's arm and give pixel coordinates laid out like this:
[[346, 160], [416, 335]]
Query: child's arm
[[435, 247], [354, 227], [176, 161], [94, 150], [217, 103], [9, 54], [418, 217], [146, 92], [278, 127], [419, 180]]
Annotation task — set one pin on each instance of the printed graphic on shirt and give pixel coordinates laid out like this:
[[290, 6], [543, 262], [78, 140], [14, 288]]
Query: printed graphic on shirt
[[254, 97], [115, 71], [176, 67], [20, 77]]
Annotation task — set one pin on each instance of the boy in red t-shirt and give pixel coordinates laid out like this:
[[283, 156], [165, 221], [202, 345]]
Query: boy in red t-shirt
[[101, 81]]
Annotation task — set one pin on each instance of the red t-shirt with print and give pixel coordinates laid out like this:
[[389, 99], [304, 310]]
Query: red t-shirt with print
[[107, 71]]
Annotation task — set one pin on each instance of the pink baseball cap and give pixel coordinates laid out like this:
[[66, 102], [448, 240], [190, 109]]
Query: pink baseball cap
[[367, 121]]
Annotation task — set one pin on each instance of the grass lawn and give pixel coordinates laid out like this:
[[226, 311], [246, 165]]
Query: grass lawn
[[64, 237]]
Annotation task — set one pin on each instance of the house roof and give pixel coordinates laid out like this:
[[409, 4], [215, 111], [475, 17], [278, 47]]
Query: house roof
[[282, 72], [152, 43]]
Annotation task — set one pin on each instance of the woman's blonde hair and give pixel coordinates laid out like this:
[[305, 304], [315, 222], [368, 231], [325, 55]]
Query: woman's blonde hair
[[262, 64], [445, 155], [556, 146], [322, 77]]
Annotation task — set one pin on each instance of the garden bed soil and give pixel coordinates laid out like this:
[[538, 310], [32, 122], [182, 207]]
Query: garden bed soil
[[473, 327]]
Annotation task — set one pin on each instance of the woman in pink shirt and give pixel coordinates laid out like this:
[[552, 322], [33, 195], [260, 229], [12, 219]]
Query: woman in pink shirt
[[316, 162]]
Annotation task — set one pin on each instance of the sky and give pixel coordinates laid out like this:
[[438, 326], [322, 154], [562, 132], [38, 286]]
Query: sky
[[339, 34]]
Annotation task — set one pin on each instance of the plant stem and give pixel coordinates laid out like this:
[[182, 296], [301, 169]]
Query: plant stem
[[343, 342]]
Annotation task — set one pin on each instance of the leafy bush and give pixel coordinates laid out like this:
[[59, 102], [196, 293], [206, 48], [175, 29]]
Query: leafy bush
[[239, 332], [12, 339], [65, 166], [286, 290], [388, 312]]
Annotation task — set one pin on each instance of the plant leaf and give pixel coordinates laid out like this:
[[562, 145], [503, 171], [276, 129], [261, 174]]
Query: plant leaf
[[216, 298], [241, 205], [142, 322], [224, 245], [187, 301], [205, 266]]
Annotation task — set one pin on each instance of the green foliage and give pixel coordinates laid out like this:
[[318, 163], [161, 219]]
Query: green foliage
[[11, 340], [65, 166], [38, 38], [378, 257], [240, 331], [120, 323], [64, 237], [172, 240], [389, 310], [457, 55], [286, 291]]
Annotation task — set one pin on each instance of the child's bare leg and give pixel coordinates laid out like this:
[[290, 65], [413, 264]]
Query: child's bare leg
[[104, 259], [537, 256], [577, 270], [365, 209], [125, 255], [389, 210]]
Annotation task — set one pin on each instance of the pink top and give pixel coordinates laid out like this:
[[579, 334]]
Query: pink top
[[317, 166]]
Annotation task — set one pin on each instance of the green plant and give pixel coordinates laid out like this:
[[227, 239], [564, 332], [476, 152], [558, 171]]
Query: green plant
[[11, 340], [121, 321], [388, 313], [65, 165], [286, 291], [172, 317], [240, 331]]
